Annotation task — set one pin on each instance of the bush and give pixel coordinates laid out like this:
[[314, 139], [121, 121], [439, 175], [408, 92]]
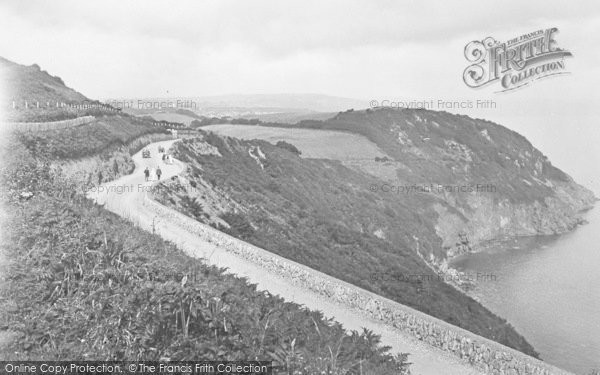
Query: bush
[[98, 137], [288, 146], [240, 226]]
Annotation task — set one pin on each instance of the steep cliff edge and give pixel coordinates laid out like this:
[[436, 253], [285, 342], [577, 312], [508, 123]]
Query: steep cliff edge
[[493, 181]]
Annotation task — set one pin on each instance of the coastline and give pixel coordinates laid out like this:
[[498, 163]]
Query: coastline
[[462, 282], [534, 273]]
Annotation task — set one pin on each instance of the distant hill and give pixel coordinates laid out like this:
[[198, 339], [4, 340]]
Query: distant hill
[[287, 108], [173, 117], [484, 181], [306, 102], [32, 84], [292, 117]]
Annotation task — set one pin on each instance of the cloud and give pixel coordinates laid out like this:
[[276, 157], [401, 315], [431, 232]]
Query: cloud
[[396, 50], [275, 28], [347, 48]]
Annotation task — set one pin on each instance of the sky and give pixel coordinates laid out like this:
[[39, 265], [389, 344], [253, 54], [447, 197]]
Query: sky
[[371, 50]]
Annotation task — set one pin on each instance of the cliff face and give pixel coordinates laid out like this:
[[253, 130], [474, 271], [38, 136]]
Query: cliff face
[[484, 218], [489, 181]]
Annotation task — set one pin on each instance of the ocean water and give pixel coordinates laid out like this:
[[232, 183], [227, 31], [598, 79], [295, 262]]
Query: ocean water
[[548, 288]]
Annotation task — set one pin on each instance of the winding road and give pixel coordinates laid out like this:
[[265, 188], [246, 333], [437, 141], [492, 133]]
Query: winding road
[[127, 198]]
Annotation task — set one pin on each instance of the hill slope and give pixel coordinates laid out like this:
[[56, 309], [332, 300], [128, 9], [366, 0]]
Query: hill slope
[[306, 102], [496, 181], [31, 84], [81, 283], [455, 183], [324, 215]]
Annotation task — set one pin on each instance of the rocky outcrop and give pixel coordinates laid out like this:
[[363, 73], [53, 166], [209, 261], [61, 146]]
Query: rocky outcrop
[[256, 153], [485, 218]]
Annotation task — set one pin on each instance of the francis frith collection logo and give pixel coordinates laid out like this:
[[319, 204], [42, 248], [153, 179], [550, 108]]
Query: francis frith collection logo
[[515, 63]]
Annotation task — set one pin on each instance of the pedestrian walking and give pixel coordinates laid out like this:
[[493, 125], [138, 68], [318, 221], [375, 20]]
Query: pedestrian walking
[[158, 173], [146, 173]]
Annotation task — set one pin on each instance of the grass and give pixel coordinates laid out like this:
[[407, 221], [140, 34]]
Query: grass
[[505, 160], [102, 136], [82, 283], [494, 161], [320, 144]]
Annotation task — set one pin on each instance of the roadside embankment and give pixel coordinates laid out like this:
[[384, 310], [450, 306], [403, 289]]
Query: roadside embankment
[[483, 354]]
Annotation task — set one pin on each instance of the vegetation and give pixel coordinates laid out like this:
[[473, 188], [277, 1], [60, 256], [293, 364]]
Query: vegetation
[[239, 226], [101, 136], [57, 114], [438, 145], [382, 159], [84, 284], [288, 146], [204, 121], [187, 112], [417, 138], [322, 214], [31, 85]]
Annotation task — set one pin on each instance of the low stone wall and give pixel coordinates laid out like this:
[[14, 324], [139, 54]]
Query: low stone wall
[[486, 355], [52, 125]]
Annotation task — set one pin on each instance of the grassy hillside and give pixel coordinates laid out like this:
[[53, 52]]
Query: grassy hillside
[[84, 284], [80, 283], [31, 84], [31, 95], [446, 148], [520, 191], [324, 215], [105, 134], [92, 153], [314, 144]]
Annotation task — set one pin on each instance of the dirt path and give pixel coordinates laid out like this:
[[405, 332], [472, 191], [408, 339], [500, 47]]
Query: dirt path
[[125, 197]]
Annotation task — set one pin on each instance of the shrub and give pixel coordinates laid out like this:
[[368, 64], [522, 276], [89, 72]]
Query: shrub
[[240, 226], [288, 146]]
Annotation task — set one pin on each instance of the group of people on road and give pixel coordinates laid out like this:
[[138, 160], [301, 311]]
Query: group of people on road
[[157, 172]]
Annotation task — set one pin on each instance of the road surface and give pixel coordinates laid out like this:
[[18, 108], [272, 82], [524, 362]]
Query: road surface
[[125, 197]]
